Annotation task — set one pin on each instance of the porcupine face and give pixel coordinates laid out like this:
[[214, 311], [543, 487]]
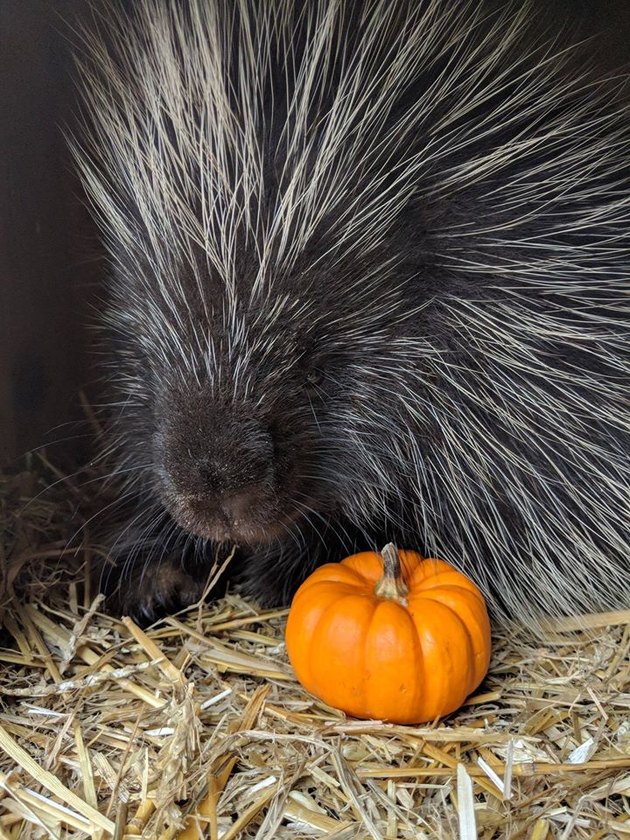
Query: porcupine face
[[238, 449], [259, 418]]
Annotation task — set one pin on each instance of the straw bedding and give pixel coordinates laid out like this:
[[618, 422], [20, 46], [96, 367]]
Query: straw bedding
[[197, 728]]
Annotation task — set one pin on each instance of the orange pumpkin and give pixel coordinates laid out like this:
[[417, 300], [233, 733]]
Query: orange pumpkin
[[391, 636]]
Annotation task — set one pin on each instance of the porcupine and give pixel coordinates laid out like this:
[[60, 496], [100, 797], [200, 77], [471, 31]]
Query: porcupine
[[369, 282]]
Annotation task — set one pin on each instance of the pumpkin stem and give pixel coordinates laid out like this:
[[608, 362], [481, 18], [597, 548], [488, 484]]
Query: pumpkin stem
[[391, 585]]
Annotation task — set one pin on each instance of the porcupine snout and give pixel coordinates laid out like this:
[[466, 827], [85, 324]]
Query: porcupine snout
[[218, 477]]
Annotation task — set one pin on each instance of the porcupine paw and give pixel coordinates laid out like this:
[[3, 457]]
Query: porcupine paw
[[159, 589]]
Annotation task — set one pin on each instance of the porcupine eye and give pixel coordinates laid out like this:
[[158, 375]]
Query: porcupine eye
[[314, 378]]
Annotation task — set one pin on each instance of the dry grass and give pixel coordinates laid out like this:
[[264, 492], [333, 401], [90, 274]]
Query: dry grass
[[197, 727]]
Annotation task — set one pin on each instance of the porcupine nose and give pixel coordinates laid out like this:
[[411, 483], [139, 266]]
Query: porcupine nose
[[237, 481], [239, 476], [238, 492], [221, 479], [238, 506]]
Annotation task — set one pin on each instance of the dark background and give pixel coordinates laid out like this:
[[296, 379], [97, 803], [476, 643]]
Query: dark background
[[49, 270], [45, 233]]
